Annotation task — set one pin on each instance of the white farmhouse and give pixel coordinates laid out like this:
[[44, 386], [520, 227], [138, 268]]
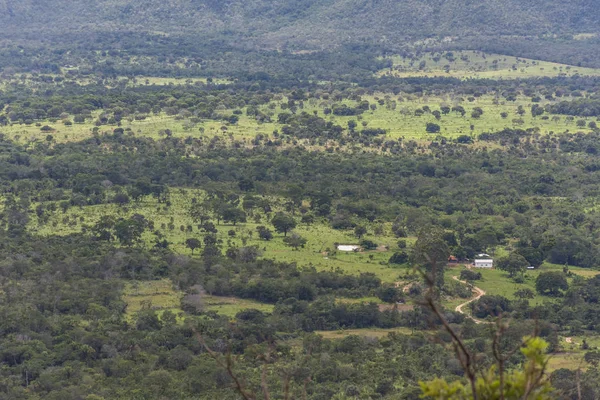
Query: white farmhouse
[[348, 247], [483, 261]]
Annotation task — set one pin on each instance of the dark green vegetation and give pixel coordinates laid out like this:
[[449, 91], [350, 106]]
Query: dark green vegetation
[[429, 17], [179, 181], [258, 39], [63, 308]]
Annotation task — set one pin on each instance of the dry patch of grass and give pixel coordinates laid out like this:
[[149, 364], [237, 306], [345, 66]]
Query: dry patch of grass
[[570, 361], [230, 306], [156, 295], [369, 332], [478, 65], [587, 273]]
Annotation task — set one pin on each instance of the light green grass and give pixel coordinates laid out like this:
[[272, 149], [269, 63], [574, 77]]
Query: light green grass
[[161, 296], [572, 361], [571, 356], [369, 299], [399, 120], [230, 306], [497, 282], [367, 332], [478, 65], [319, 251], [156, 295]]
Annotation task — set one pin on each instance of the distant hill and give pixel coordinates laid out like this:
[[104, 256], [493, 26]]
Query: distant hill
[[309, 24]]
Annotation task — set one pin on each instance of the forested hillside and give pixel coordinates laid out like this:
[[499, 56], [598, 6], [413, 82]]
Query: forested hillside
[[307, 23], [311, 199]]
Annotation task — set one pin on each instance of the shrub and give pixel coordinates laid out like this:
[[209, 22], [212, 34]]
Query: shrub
[[468, 275], [400, 257], [432, 128], [368, 244]]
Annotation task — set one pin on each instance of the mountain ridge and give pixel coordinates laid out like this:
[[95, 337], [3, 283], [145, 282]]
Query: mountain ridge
[[306, 21]]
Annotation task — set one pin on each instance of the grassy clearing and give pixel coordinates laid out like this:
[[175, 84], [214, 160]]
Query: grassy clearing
[[319, 251], [359, 300], [479, 65], [496, 282], [572, 355], [371, 332], [572, 361], [151, 127], [156, 295], [402, 122], [161, 296], [230, 306], [66, 77], [586, 273], [397, 116]]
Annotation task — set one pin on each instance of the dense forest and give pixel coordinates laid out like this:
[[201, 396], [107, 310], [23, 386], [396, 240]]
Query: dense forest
[[310, 20], [286, 200]]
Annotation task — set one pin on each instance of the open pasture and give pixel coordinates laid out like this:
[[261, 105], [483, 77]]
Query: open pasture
[[319, 251], [404, 116], [155, 295], [161, 296], [230, 306], [479, 65], [497, 282], [371, 332]]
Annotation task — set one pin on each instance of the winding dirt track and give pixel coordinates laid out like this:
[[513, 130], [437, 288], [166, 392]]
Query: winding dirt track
[[480, 292]]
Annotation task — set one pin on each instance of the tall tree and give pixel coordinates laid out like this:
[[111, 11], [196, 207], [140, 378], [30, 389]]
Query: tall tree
[[192, 244], [431, 253], [283, 223], [514, 264]]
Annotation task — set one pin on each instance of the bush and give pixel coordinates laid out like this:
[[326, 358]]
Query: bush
[[464, 139], [400, 257], [432, 128], [491, 305], [468, 275], [368, 244], [551, 283], [390, 294]]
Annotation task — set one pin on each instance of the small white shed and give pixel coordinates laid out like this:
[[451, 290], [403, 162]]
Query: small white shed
[[484, 263], [348, 247]]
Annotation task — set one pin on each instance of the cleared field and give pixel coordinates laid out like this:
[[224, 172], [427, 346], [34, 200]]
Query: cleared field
[[572, 356], [230, 306], [401, 116], [377, 333], [161, 296], [155, 295], [572, 361], [497, 282], [479, 65], [319, 251]]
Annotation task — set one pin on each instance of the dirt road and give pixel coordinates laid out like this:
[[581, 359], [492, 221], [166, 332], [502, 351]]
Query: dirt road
[[480, 292]]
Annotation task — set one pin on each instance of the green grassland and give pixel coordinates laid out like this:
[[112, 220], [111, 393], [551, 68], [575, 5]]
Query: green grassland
[[156, 295], [230, 306], [161, 296], [497, 282], [396, 116], [319, 251], [33, 80], [371, 332], [572, 355], [478, 65]]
